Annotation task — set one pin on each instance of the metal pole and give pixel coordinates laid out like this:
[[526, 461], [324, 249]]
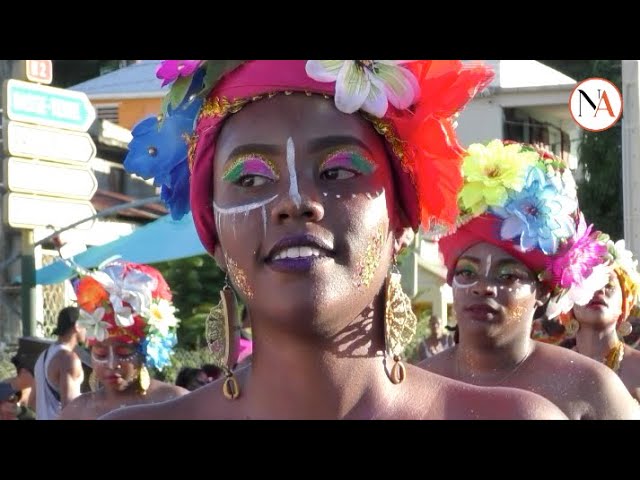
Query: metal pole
[[631, 153], [28, 285]]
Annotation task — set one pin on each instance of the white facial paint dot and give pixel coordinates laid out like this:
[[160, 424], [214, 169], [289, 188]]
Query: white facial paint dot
[[325, 193], [337, 196]]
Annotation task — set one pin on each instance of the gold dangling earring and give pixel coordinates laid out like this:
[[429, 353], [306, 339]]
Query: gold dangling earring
[[572, 327], [624, 329], [144, 380], [93, 381], [221, 329], [399, 323]]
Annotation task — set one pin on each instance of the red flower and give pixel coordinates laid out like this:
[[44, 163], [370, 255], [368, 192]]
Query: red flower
[[435, 156]]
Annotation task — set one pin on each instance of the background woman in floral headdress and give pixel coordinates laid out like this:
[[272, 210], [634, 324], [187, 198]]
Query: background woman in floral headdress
[[519, 221], [601, 325], [131, 327], [304, 177]]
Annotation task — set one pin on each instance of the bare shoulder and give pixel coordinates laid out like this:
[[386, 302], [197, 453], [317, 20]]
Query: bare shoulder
[[77, 408], [161, 391], [440, 363], [206, 403], [440, 397], [66, 360], [630, 371], [597, 384], [500, 403], [631, 364]]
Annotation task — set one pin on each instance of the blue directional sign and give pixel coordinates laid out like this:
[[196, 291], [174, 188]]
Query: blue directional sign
[[52, 107]]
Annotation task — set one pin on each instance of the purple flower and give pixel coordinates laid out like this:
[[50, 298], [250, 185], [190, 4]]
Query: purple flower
[[170, 70]]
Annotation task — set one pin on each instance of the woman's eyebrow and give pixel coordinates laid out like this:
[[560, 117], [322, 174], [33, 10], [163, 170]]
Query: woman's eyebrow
[[324, 143]]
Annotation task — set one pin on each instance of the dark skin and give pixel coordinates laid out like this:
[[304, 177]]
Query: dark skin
[[597, 333], [117, 368], [495, 298], [318, 333]]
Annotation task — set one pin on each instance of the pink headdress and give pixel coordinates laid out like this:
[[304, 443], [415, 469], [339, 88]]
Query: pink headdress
[[410, 103]]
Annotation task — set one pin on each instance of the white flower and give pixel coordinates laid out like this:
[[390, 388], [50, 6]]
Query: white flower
[[134, 287], [624, 258], [579, 294], [96, 328], [161, 316], [564, 182], [367, 84]]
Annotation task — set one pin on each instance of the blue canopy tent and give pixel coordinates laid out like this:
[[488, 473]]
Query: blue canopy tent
[[162, 240]]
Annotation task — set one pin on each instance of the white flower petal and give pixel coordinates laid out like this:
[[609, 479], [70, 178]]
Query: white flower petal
[[582, 294], [400, 85], [324, 70], [352, 87], [124, 318], [376, 103]]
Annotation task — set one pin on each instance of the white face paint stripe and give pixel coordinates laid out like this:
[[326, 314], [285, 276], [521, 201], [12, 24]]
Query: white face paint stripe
[[458, 285], [486, 273], [294, 193], [243, 208]]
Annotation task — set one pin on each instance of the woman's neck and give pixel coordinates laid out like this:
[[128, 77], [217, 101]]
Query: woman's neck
[[312, 377], [489, 362], [596, 343]]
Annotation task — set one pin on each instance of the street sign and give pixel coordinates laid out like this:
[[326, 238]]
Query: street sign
[[47, 178], [28, 211], [33, 141], [38, 71], [52, 107]]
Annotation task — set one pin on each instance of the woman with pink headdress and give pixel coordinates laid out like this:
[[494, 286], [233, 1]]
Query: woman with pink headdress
[[127, 311], [520, 239], [304, 179], [601, 325]]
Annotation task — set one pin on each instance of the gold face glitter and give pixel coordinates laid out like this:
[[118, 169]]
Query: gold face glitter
[[238, 277], [369, 264], [516, 313]]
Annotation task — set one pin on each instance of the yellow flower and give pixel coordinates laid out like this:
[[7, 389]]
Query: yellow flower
[[490, 172]]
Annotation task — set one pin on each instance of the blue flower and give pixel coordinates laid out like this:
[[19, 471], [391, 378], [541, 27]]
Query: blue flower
[[539, 214], [156, 149], [176, 194], [159, 149], [158, 350]]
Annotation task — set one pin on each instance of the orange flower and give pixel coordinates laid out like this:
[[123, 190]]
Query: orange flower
[[91, 294]]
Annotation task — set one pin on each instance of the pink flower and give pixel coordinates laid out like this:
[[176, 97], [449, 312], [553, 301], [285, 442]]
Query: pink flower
[[170, 70], [575, 262]]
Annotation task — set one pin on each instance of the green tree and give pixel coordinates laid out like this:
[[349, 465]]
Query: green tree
[[195, 283], [600, 154]]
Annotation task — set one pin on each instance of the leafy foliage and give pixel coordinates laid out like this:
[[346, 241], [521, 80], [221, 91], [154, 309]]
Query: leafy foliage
[[600, 154], [195, 283]]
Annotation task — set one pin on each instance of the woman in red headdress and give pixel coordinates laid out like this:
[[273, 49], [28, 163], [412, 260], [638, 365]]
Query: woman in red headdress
[[304, 179], [521, 238], [127, 311]]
